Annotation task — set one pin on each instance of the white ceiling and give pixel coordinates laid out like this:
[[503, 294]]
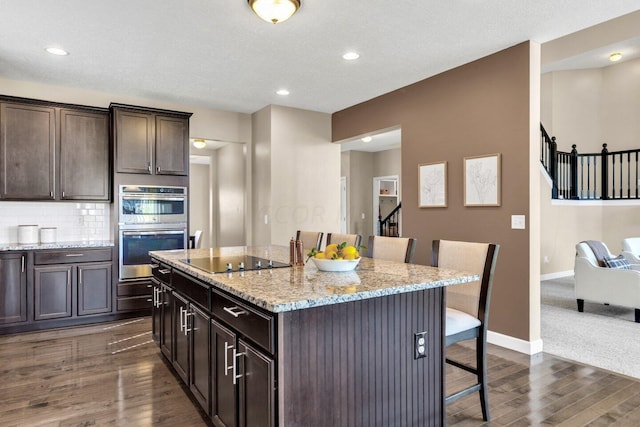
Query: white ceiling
[[218, 54]]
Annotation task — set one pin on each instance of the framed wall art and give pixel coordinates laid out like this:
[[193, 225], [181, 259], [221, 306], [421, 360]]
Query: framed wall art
[[432, 185], [482, 180]]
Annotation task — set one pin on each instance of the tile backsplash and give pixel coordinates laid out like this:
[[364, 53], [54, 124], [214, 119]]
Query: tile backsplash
[[74, 221]]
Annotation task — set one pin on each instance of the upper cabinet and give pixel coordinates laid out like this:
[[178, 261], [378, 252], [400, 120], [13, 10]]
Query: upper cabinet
[[151, 141], [84, 155], [53, 151], [28, 147]]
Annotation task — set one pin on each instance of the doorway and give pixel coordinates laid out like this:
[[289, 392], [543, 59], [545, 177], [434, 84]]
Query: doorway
[[385, 200]]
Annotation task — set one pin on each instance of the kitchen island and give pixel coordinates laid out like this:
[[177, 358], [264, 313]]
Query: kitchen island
[[299, 347]]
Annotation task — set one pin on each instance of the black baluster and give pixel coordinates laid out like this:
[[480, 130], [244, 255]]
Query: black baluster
[[605, 172]]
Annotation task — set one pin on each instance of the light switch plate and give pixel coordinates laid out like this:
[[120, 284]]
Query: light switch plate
[[517, 222]]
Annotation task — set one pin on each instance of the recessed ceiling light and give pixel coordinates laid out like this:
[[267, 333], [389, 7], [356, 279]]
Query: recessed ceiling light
[[350, 56], [56, 51], [283, 92], [367, 139], [614, 57]]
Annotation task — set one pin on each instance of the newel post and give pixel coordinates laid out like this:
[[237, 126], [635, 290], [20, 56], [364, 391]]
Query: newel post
[[553, 166], [573, 189], [605, 172]]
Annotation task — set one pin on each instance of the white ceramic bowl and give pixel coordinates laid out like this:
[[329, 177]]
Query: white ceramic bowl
[[335, 264]]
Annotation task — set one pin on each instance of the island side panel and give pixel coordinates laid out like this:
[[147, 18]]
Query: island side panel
[[352, 364]]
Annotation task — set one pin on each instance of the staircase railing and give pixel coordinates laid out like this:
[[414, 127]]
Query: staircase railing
[[590, 176], [390, 225]]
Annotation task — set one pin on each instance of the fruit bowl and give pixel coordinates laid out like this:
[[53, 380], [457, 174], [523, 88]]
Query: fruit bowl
[[335, 264]]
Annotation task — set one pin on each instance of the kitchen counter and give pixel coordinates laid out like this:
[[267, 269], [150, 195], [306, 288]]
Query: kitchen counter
[[57, 245], [299, 287]]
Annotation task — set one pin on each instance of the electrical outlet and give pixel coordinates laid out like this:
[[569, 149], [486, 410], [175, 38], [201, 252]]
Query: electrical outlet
[[420, 345]]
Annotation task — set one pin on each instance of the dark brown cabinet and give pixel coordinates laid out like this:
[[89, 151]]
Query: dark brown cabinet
[[72, 283], [28, 147], [150, 141], [191, 348], [13, 288], [223, 389], [84, 155], [52, 291], [53, 151], [256, 392]]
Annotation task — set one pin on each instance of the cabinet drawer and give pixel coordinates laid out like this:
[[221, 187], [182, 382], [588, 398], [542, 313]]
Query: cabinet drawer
[[161, 272], [72, 256], [195, 291], [134, 289], [258, 326], [134, 303]]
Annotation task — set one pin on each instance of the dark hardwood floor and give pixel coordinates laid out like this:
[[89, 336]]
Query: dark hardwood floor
[[112, 374]]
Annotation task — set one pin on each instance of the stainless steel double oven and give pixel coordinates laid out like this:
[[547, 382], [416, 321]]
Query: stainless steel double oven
[[150, 218]]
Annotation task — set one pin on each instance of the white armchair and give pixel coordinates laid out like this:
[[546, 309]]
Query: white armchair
[[602, 284], [631, 249]]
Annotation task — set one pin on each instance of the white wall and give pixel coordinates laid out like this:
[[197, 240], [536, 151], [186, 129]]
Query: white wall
[[594, 106], [230, 171], [296, 174], [200, 202]]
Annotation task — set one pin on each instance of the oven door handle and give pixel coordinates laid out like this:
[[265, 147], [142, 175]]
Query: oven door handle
[[147, 198], [151, 233]]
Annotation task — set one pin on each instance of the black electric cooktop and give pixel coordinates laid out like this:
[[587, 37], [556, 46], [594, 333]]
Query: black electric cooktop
[[228, 264]]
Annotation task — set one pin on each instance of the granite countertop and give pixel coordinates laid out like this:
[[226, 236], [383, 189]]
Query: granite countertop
[[299, 287], [57, 245]]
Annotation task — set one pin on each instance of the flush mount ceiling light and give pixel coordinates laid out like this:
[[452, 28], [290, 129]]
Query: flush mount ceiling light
[[367, 139], [615, 57], [56, 51], [282, 92], [199, 143], [274, 11]]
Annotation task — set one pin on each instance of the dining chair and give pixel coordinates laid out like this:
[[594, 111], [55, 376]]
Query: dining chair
[[197, 239], [351, 239], [467, 311], [310, 239], [398, 249]]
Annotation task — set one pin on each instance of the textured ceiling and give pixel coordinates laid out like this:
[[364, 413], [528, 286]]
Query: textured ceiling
[[218, 54]]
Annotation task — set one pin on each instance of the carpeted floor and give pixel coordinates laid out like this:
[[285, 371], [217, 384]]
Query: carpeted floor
[[602, 336]]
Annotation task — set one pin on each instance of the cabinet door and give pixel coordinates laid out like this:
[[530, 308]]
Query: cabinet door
[[167, 322], [84, 155], [52, 291], [223, 390], [94, 288], [172, 146], [256, 393], [200, 365], [13, 288], [134, 136], [181, 337], [28, 145]]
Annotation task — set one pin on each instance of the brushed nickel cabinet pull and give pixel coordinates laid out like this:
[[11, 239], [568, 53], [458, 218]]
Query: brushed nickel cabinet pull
[[22, 263], [74, 255], [235, 311], [164, 271], [235, 359], [227, 368]]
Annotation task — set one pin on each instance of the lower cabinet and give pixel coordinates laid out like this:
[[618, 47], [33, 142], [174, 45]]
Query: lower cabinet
[[229, 375], [13, 288], [65, 286]]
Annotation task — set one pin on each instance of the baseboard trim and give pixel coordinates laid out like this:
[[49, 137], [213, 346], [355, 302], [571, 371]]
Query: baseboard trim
[[516, 344], [558, 275]]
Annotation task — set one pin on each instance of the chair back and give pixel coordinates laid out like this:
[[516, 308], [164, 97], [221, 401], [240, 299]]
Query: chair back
[[479, 258], [197, 239], [310, 239], [631, 244], [399, 249], [351, 239]]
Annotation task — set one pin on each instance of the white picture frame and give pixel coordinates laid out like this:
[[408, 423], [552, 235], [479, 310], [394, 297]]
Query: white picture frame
[[432, 185], [482, 180]]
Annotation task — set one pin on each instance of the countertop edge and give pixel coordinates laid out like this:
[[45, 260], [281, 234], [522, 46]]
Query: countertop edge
[[8, 247]]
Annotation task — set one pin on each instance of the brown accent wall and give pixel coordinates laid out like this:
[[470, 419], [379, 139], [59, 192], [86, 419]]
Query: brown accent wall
[[478, 108]]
